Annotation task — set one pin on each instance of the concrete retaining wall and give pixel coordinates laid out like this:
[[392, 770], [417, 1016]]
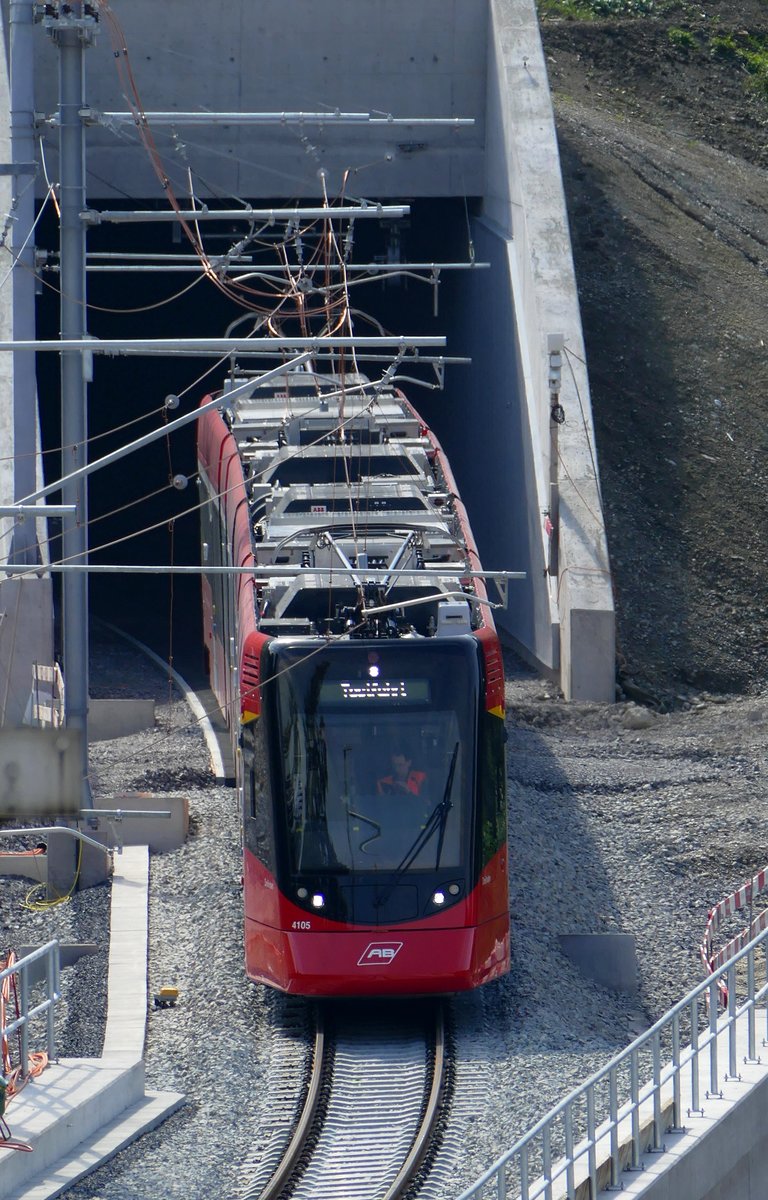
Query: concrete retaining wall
[[524, 198], [722, 1151], [485, 428]]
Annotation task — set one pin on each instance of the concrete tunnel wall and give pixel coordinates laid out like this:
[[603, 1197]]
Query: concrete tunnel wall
[[486, 432], [477, 58]]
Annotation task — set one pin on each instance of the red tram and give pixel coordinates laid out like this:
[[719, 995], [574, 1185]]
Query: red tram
[[362, 677]]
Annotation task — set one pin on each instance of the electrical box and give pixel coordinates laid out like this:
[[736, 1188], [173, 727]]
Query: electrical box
[[40, 773], [453, 618]]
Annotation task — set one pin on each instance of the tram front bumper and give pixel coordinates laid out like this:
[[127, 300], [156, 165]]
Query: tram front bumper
[[378, 962]]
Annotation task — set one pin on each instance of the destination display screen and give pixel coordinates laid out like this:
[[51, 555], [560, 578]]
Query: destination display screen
[[374, 691]]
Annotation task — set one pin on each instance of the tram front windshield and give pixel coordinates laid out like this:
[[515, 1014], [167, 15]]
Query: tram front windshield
[[375, 751]]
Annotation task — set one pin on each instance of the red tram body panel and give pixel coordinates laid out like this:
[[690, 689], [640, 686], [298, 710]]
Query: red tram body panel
[[361, 675]]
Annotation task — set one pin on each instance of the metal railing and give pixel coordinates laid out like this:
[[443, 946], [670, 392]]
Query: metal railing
[[612, 1119], [27, 972]]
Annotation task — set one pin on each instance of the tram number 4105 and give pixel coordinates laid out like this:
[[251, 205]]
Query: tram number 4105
[[301, 925]]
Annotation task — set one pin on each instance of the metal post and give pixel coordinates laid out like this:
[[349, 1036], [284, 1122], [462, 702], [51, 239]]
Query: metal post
[[570, 1177], [71, 32], [592, 1139], [555, 343], [714, 1083], [52, 987], [546, 1161], [752, 1048], [24, 548], [733, 1067], [658, 1132], [676, 1107], [634, 1093], [613, 1116], [524, 1173], [24, 1009], [695, 1103]]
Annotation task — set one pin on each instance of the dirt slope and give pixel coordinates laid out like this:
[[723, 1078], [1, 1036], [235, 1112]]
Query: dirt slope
[[663, 129]]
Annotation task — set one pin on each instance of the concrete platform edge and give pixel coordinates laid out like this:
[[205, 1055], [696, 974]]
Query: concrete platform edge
[[142, 1117]]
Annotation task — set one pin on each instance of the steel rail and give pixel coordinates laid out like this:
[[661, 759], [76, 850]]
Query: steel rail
[[306, 1122], [288, 1177], [432, 1110]]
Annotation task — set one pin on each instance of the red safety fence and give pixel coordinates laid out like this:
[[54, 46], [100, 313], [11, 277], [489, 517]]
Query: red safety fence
[[742, 898]]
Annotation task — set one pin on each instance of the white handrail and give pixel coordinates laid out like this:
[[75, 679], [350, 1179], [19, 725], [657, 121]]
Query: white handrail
[[22, 969], [613, 1097]]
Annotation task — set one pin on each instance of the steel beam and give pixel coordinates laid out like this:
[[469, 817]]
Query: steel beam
[[92, 216], [224, 346], [377, 120]]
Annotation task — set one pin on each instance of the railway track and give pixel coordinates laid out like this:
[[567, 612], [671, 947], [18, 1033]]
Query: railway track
[[371, 1109]]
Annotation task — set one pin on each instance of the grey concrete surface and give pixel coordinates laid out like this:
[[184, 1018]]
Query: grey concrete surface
[[425, 60], [114, 718], [26, 631], [722, 1152], [161, 833], [80, 1112], [608, 958]]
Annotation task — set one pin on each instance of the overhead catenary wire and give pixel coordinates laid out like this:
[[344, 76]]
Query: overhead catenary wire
[[16, 254], [23, 572], [166, 487], [570, 355]]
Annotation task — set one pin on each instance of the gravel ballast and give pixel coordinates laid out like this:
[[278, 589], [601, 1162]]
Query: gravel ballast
[[621, 820]]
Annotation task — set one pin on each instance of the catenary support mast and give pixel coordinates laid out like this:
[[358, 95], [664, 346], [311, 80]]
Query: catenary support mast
[[73, 32]]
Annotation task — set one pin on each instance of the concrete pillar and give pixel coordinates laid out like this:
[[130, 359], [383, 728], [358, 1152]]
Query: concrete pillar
[[26, 606]]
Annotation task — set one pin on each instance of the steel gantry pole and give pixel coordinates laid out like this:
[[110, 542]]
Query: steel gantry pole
[[24, 547], [73, 31]]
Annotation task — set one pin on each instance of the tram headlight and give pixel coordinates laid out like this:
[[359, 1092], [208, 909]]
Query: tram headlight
[[318, 900], [454, 888], [438, 898], [302, 893]]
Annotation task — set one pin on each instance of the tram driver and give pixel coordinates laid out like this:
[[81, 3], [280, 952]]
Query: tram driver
[[402, 779]]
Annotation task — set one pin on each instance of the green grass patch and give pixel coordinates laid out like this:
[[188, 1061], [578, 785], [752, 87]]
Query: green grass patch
[[747, 51], [681, 39], [590, 10], [724, 46]]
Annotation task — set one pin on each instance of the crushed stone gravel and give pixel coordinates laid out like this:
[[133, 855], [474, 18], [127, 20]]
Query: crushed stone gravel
[[621, 820]]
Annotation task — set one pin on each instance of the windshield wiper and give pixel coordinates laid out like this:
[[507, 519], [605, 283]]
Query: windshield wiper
[[437, 820], [445, 806]]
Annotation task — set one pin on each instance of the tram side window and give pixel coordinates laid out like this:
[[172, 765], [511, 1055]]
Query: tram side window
[[212, 533], [492, 785], [257, 806]]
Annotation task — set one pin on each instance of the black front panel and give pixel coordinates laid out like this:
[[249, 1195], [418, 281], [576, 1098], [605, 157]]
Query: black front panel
[[373, 765]]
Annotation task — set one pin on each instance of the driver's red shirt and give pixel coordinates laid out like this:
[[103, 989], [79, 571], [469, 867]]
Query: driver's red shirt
[[412, 784]]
